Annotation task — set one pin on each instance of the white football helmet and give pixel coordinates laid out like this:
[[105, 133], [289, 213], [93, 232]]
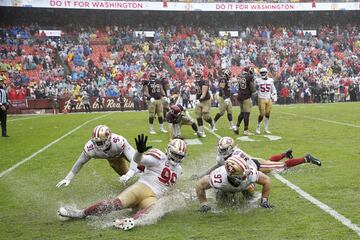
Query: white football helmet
[[235, 166], [176, 151], [101, 137], [263, 72], [226, 146]]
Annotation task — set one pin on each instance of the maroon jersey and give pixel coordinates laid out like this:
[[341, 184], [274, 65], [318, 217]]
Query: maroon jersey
[[246, 87], [198, 87]]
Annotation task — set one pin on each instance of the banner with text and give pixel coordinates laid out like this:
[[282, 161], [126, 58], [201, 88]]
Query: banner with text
[[182, 6]]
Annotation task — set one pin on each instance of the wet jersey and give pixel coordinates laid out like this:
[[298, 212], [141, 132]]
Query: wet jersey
[[219, 180], [266, 88], [159, 174], [154, 87]]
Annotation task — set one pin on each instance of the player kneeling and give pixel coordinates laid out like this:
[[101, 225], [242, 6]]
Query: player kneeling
[[162, 171], [237, 175], [178, 116]]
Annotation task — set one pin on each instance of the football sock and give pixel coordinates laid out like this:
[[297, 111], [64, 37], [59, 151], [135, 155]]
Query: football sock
[[103, 207], [240, 118], [194, 127], [293, 162], [246, 120], [151, 120], [217, 117], [200, 122], [229, 116], [161, 120], [277, 157], [266, 123]]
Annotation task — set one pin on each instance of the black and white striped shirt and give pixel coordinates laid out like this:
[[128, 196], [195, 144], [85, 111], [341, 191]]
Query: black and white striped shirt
[[3, 97]]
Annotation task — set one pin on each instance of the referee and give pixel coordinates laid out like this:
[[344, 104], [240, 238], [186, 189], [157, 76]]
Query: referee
[[3, 109]]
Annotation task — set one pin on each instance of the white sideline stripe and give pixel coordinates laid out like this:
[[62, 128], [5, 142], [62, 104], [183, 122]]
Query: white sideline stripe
[[324, 120], [345, 221], [47, 146], [22, 118]]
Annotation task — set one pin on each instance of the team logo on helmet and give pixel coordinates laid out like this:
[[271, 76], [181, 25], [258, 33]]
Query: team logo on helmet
[[235, 166], [176, 151], [226, 146], [101, 137]]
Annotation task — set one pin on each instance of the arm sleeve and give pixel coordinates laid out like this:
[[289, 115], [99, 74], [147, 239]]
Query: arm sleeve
[[129, 152], [83, 158], [146, 160]]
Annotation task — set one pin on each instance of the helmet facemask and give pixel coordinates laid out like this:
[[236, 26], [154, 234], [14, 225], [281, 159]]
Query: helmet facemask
[[226, 147], [101, 137], [176, 151]]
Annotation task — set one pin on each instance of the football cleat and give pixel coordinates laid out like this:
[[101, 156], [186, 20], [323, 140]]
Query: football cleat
[[258, 130], [248, 133], [267, 131], [311, 159], [236, 130], [163, 130], [152, 131], [124, 223], [201, 134], [288, 153], [70, 212]]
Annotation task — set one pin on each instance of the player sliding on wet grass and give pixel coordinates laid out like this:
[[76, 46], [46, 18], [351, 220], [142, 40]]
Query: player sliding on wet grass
[[162, 171]]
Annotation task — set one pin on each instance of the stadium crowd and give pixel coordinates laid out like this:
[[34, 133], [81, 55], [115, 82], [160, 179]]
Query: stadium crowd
[[112, 61]]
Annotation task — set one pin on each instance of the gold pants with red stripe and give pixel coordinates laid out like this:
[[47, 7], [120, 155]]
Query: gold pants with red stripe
[[137, 195]]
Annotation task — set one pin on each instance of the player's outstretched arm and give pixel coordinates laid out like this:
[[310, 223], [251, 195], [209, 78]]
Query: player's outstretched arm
[[84, 158], [140, 147], [201, 186], [265, 181]]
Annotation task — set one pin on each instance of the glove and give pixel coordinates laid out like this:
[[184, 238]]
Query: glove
[[204, 208], [197, 102], [64, 182], [265, 203], [152, 99], [227, 101], [124, 178], [141, 143]]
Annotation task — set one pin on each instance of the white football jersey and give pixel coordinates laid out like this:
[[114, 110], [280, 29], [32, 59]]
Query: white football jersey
[[237, 153], [159, 174], [219, 180], [266, 88], [119, 145]]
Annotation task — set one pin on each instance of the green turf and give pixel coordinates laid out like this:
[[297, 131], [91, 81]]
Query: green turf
[[29, 198]]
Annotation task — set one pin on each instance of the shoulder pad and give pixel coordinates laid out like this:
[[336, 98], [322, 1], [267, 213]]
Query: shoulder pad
[[154, 152], [89, 148]]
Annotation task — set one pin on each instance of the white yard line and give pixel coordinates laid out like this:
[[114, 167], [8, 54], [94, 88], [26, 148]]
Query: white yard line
[[345, 221], [323, 120], [47, 146], [23, 118]]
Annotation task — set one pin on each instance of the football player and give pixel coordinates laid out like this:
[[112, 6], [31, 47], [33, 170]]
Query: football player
[[203, 103], [154, 92], [176, 117], [266, 95], [246, 87], [236, 175], [105, 145], [224, 98], [162, 170], [227, 148]]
